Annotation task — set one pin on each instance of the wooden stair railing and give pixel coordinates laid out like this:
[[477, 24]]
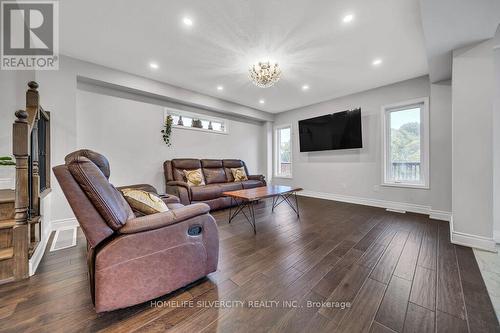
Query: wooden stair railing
[[20, 222]]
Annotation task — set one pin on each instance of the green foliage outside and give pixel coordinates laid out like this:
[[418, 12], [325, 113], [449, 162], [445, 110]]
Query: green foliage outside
[[6, 160], [405, 143]]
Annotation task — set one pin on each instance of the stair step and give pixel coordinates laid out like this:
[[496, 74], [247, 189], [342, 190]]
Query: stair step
[[6, 253], [7, 196], [6, 224]]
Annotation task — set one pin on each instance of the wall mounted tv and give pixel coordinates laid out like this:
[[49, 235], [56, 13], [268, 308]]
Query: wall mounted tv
[[341, 130]]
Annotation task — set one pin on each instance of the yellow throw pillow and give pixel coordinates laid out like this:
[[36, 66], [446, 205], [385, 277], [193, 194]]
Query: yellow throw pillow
[[144, 202], [194, 177], [239, 174]]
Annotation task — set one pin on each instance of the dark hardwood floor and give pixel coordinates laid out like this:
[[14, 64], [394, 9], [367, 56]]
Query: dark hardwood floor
[[399, 272]]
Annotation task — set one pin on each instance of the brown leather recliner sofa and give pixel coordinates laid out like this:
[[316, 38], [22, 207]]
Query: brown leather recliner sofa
[[133, 259], [218, 179]]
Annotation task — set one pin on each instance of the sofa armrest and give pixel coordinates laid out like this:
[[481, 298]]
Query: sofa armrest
[[262, 178], [143, 187], [178, 183], [160, 220]]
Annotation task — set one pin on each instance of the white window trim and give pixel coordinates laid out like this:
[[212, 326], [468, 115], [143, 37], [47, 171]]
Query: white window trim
[[171, 111], [276, 151], [424, 137]]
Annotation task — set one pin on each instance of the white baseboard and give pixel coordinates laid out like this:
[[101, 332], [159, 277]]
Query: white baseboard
[[496, 236], [465, 239], [40, 249], [392, 206]]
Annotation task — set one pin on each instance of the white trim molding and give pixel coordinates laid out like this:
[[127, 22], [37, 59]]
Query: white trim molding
[[64, 224], [465, 239], [393, 206]]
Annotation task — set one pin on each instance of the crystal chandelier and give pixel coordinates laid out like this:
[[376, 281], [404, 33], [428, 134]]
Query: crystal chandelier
[[264, 74]]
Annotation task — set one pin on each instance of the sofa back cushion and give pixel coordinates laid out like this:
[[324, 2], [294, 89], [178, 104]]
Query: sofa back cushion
[[98, 159], [231, 164], [213, 171], [106, 199], [181, 164]]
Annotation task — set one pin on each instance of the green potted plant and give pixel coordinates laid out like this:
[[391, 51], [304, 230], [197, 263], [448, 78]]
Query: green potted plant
[[167, 130], [196, 123], [6, 160]]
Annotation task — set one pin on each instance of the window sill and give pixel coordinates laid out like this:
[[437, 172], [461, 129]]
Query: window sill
[[283, 177], [406, 185]]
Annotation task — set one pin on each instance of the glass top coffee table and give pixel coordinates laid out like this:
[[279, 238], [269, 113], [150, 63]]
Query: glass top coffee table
[[246, 199]]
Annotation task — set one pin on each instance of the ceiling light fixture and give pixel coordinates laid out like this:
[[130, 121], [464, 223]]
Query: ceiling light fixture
[[261, 101], [377, 62], [153, 65], [187, 21], [348, 18], [220, 88], [264, 74], [305, 87]]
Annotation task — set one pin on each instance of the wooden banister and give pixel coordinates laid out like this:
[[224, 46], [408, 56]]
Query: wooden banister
[[28, 145], [20, 232]]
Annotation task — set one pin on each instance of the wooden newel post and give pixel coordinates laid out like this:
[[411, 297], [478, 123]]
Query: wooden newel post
[[20, 233]]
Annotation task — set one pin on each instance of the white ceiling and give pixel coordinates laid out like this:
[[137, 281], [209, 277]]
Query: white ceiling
[[308, 38], [451, 24]]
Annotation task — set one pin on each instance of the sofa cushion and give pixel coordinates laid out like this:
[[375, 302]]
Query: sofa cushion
[[206, 192], [239, 174], [107, 200], [234, 186], [99, 160], [251, 183], [228, 165], [214, 175], [210, 163], [145, 202], [181, 164], [194, 177]]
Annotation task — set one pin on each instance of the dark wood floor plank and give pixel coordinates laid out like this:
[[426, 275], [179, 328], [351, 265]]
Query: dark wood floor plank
[[428, 250], [379, 328], [392, 310], [408, 259], [386, 265], [450, 298], [480, 312], [448, 323], [419, 320], [360, 316], [423, 291]]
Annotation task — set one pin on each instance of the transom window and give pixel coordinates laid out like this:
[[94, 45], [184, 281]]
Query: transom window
[[189, 120], [283, 159], [406, 144]]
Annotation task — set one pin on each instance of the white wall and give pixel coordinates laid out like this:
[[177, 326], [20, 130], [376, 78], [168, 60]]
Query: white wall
[[13, 85], [127, 132], [472, 88], [357, 173], [496, 139]]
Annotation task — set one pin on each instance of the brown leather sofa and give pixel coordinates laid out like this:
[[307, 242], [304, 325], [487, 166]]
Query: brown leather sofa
[[133, 259], [218, 179]]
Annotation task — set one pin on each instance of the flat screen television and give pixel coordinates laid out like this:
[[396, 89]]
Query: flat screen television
[[341, 130]]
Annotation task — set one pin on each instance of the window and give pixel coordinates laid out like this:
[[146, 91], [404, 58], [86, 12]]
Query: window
[[406, 144], [192, 121], [283, 165]]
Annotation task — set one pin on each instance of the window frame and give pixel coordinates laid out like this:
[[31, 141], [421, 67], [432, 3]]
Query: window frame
[[202, 117], [277, 151], [424, 143]]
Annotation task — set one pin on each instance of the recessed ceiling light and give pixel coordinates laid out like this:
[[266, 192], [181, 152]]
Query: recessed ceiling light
[[220, 88], [305, 87], [153, 65], [261, 101], [187, 21], [377, 62], [348, 18]]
